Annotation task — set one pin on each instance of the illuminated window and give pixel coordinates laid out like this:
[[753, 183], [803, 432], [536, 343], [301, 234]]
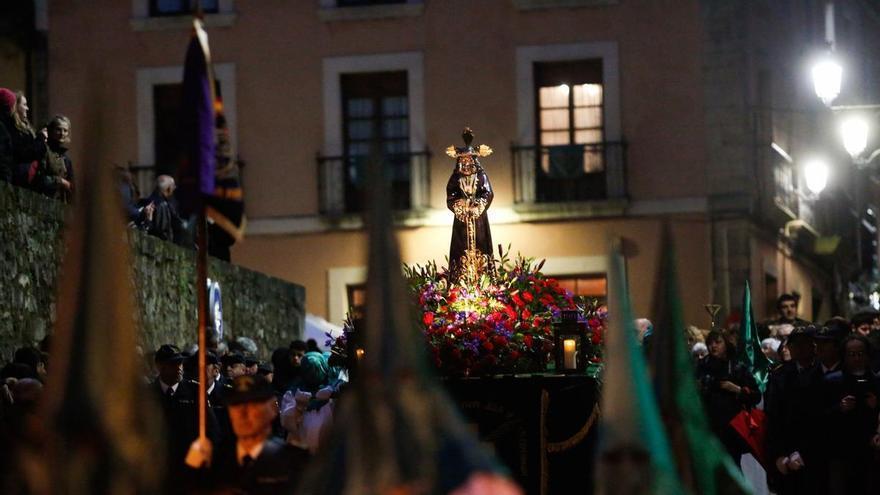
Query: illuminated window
[[591, 286], [357, 299], [570, 121]]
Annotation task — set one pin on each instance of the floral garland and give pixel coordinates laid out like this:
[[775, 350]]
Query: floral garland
[[505, 325]]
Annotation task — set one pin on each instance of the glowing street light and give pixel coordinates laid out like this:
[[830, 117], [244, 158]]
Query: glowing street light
[[816, 175], [854, 131], [827, 75]]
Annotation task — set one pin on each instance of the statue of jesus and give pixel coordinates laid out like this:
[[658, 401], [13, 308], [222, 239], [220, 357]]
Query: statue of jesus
[[468, 196]]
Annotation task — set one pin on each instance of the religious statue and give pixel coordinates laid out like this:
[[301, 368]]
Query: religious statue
[[468, 196]]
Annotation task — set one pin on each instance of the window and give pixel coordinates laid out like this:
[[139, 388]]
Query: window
[[771, 292], [169, 146], [570, 130], [375, 126], [570, 108], [160, 8], [591, 286], [357, 299]]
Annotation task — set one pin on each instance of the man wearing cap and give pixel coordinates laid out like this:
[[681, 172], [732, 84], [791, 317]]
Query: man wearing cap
[[179, 401], [828, 338], [217, 391], [793, 405], [255, 463], [250, 365], [233, 366]]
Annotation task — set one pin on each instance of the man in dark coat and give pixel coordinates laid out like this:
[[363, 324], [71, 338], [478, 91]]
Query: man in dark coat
[[254, 463], [793, 405], [166, 223], [179, 401], [469, 196]]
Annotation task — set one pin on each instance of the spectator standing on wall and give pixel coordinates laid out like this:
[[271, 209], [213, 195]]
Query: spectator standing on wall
[[166, 223], [7, 106], [136, 215], [54, 176], [28, 146]]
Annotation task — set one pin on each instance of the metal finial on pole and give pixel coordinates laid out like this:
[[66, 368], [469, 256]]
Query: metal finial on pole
[[713, 310]]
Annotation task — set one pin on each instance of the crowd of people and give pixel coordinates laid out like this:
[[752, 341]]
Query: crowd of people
[[35, 159], [820, 400], [264, 421]]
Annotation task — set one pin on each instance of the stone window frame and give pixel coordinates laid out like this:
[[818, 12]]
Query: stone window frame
[[527, 56], [142, 21], [148, 77], [410, 62]]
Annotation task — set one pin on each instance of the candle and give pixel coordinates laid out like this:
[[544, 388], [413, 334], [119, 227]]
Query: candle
[[569, 350], [359, 353]]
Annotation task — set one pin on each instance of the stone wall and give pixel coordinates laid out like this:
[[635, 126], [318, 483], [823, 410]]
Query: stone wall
[[267, 309]]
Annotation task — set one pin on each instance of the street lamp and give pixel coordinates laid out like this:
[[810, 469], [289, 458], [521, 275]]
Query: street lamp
[[827, 76], [854, 132], [815, 175]]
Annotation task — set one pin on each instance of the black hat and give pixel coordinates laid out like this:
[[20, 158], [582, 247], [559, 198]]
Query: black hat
[[210, 358], [264, 369], [233, 358], [832, 332], [250, 361], [169, 353], [807, 331], [249, 388]]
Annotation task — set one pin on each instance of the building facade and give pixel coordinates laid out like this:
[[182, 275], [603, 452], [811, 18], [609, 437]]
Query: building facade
[[607, 117]]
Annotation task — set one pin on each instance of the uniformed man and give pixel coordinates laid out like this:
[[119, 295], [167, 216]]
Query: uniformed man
[[254, 463], [793, 405], [233, 366], [179, 401], [217, 391], [828, 350]]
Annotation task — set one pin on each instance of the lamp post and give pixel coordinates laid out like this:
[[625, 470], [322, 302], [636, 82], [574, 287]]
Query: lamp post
[[816, 173], [827, 78]]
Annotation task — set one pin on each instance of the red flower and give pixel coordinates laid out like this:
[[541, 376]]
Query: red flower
[[428, 319], [596, 338], [526, 314], [488, 346], [514, 354], [538, 322], [528, 296], [500, 340], [517, 300], [511, 314], [527, 340]]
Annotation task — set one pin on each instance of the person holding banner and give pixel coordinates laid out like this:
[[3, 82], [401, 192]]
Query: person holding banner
[[254, 462]]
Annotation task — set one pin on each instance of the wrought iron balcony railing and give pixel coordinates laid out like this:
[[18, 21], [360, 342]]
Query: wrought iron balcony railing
[[342, 179], [569, 173]]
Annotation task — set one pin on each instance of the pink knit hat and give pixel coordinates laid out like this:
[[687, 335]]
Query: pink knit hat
[[7, 100]]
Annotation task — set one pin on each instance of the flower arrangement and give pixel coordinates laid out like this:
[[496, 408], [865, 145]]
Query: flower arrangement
[[500, 325]]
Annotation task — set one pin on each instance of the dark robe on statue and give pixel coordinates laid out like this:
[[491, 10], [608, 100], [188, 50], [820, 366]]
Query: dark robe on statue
[[456, 198]]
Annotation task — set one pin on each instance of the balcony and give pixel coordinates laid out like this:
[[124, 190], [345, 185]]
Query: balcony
[[342, 179], [569, 173]]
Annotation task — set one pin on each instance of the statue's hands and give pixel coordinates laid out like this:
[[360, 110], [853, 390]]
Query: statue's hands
[[461, 209], [477, 208]]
